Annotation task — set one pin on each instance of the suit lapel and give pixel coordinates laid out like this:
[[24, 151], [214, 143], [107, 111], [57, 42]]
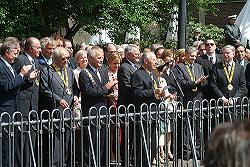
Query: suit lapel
[[6, 68], [57, 77], [94, 74]]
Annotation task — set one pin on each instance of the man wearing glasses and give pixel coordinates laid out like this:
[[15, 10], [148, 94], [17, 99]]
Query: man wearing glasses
[[207, 61], [58, 90]]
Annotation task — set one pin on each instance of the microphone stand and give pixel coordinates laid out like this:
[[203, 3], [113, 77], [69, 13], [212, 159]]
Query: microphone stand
[[50, 86], [178, 84]]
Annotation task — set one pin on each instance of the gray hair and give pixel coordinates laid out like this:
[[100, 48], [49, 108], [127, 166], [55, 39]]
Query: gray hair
[[7, 46], [190, 50], [46, 41], [80, 53], [232, 48], [30, 43], [146, 56], [130, 48], [93, 51], [57, 53]]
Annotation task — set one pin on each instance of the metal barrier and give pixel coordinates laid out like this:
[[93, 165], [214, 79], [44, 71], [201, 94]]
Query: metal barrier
[[115, 136]]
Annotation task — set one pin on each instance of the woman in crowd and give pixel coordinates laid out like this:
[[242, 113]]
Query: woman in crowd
[[114, 62], [169, 101]]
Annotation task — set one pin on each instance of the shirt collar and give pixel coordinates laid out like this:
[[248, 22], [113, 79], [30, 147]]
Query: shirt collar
[[7, 63]]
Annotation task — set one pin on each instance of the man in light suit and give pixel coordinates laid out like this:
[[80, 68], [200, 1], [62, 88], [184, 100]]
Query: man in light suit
[[94, 85], [58, 90], [10, 83], [128, 67], [191, 78], [207, 61]]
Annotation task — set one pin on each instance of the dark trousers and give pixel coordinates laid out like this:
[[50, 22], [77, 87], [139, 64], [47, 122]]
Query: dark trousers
[[141, 155], [98, 146]]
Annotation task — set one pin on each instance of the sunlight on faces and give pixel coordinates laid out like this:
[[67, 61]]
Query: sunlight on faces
[[63, 59], [135, 55], [82, 60], [210, 46], [228, 55], [240, 53], [48, 50], [68, 47], [151, 62], [191, 57], [36, 48], [11, 55], [97, 60]]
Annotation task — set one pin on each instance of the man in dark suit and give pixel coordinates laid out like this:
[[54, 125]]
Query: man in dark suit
[[47, 46], [207, 61], [58, 90], [145, 88], [29, 91], [192, 79], [228, 79], [240, 55], [10, 83], [126, 70], [94, 85]]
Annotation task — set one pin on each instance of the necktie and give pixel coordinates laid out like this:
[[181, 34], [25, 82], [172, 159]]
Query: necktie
[[212, 59], [12, 71], [134, 66], [229, 68], [191, 66], [98, 74]]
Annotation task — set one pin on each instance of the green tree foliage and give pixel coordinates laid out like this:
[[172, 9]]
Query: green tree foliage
[[22, 18], [207, 31]]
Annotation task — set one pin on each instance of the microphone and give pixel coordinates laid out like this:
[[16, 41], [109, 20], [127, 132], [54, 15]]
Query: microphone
[[160, 68]]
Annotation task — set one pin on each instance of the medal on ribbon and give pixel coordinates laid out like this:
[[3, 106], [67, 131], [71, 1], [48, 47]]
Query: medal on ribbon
[[65, 80], [229, 75], [191, 74]]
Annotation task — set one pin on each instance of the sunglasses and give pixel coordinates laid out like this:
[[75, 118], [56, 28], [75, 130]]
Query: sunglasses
[[64, 58], [209, 44]]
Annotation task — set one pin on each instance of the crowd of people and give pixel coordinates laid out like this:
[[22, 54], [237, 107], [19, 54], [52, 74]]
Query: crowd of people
[[46, 75]]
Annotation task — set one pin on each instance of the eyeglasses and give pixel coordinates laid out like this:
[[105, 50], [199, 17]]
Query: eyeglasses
[[64, 58], [209, 44]]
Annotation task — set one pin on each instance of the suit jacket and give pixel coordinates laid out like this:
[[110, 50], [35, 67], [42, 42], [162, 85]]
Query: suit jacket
[[9, 89], [187, 84], [171, 81], [93, 91], [219, 82], [124, 75], [52, 89], [247, 75], [207, 68], [143, 88], [245, 63], [29, 90]]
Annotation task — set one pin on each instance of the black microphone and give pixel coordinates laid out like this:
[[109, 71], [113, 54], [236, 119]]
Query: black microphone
[[160, 68]]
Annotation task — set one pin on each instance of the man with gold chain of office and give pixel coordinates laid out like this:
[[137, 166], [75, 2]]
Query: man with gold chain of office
[[58, 90], [228, 77], [191, 77]]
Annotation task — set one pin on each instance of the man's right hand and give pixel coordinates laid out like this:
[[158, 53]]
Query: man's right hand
[[111, 83], [25, 70]]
